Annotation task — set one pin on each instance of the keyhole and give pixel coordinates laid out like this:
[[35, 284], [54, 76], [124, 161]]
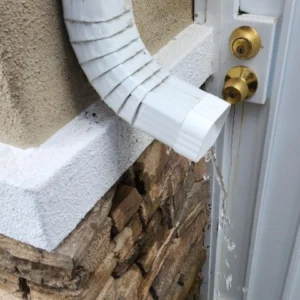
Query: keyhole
[[240, 50], [232, 94]]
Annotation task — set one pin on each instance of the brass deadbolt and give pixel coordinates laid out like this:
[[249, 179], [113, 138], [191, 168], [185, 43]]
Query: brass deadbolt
[[245, 42], [240, 84]]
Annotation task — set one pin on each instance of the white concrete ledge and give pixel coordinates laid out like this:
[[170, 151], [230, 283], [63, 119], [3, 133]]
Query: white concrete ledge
[[190, 54], [46, 191]]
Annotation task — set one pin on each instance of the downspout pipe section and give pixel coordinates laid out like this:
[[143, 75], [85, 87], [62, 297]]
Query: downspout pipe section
[[109, 49]]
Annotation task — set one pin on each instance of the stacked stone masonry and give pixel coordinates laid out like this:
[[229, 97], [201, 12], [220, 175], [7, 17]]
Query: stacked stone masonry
[[143, 240]]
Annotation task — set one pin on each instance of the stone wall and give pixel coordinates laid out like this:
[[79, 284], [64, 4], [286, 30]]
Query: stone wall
[[143, 240]]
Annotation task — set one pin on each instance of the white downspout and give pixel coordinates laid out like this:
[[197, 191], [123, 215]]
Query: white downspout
[[114, 58]]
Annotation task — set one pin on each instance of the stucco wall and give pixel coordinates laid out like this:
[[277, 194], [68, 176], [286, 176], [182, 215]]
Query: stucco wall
[[41, 85], [160, 20]]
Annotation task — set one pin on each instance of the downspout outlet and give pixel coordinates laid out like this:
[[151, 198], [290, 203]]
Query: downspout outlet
[[110, 51]]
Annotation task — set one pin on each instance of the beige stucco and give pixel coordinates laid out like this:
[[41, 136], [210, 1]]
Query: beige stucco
[[160, 20], [41, 84]]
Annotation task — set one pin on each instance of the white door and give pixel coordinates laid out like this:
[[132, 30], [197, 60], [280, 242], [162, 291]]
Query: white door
[[254, 231]]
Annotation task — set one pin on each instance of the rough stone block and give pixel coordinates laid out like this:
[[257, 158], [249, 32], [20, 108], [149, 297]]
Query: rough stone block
[[10, 284], [105, 270], [200, 170], [146, 261], [126, 203], [108, 292], [163, 186], [136, 226], [7, 296], [123, 244], [90, 291], [154, 237], [148, 208], [127, 248], [33, 264], [157, 265], [185, 253], [173, 174], [185, 201], [128, 285], [150, 165], [126, 263], [97, 249], [200, 209]]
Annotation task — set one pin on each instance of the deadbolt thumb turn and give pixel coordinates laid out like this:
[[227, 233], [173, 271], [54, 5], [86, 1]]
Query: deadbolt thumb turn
[[240, 83]]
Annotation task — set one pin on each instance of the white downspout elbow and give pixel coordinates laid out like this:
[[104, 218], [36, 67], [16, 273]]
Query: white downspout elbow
[[114, 58]]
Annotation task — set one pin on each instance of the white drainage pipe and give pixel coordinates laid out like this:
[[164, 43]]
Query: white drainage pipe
[[114, 58]]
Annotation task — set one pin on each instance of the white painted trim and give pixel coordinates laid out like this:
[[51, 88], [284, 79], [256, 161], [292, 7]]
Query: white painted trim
[[272, 8], [257, 228], [46, 191], [275, 240], [200, 10], [238, 158], [292, 287]]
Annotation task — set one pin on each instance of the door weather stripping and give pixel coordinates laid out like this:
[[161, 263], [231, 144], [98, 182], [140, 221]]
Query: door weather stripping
[[109, 49]]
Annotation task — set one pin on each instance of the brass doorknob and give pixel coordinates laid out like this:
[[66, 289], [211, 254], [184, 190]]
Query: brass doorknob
[[240, 84], [245, 42]]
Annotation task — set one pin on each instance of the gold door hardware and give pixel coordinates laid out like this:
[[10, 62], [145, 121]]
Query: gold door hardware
[[245, 42], [240, 83]]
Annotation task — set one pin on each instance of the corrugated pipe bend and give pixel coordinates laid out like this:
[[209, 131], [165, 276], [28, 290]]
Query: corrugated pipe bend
[[117, 64]]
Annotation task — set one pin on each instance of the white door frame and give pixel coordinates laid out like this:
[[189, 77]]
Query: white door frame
[[254, 231]]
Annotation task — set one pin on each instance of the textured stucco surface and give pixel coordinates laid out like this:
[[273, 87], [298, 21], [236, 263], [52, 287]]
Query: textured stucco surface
[[41, 85], [160, 20]]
